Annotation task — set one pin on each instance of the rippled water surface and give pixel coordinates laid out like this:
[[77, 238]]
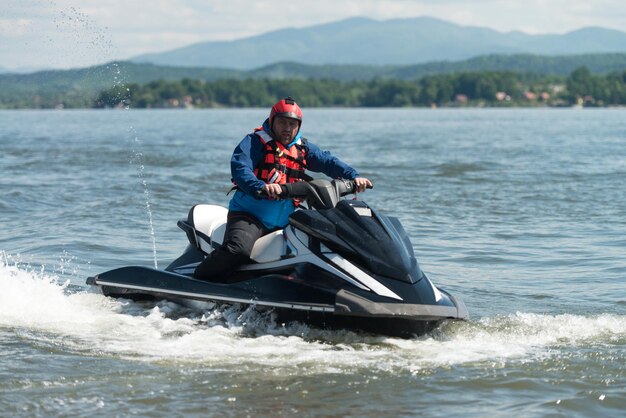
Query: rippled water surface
[[521, 213]]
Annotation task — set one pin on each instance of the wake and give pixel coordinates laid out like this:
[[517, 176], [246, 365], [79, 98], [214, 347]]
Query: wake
[[43, 311]]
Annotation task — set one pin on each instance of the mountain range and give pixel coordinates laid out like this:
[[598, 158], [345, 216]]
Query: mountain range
[[25, 90], [363, 41]]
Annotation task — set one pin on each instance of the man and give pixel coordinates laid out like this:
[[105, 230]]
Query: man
[[274, 154]]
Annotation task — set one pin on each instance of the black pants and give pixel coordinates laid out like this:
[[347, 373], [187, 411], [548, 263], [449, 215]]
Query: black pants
[[242, 231]]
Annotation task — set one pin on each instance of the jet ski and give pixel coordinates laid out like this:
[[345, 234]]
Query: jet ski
[[338, 264]]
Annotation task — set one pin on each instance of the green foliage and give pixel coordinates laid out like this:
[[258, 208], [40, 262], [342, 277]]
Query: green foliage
[[469, 88], [483, 88], [597, 90]]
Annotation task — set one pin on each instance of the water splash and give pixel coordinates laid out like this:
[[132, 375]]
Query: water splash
[[138, 160], [87, 35], [67, 39], [123, 98], [44, 310], [77, 41]]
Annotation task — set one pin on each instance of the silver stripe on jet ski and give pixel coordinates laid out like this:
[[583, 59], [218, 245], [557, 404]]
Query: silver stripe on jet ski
[[363, 280], [185, 272], [362, 276], [219, 298], [436, 291], [187, 268]]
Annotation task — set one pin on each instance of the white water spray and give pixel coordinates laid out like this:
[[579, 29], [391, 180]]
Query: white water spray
[[79, 42], [138, 159], [100, 40], [44, 310], [123, 98]]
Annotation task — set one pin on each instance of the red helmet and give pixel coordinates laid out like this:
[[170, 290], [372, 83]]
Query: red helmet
[[287, 108]]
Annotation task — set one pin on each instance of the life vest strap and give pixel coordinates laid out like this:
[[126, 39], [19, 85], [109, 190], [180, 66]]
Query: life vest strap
[[281, 154]]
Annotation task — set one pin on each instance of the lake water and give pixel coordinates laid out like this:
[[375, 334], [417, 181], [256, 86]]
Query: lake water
[[520, 212]]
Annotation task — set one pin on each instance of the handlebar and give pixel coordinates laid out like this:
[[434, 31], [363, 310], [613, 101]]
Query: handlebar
[[318, 193]]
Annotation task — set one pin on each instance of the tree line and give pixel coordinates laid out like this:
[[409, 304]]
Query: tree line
[[471, 88], [488, 88]]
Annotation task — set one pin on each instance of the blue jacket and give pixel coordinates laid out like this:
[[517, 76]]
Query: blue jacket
[[275, 213]]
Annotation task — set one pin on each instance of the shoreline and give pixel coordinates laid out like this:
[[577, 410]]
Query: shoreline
[[434, 108]]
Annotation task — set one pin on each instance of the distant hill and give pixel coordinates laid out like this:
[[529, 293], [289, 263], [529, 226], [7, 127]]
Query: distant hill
[[21, 70], [87, 82], [30, 90], [363, 41], [522, 63]]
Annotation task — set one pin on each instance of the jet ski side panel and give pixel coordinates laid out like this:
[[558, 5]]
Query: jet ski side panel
[[272, 290]]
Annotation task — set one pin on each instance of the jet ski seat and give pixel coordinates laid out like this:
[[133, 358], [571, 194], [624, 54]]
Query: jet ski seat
[[205, 226]]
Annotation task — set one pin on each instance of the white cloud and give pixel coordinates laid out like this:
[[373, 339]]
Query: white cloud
[[69, 33]]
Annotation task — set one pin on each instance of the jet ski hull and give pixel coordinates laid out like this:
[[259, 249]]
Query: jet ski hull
[[323, 307]]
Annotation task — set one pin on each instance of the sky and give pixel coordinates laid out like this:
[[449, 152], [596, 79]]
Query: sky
[[38, 34]]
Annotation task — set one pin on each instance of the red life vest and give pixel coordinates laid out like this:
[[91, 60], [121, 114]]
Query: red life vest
[[281, 165]]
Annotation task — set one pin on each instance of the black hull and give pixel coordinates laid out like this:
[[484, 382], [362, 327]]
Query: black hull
[[325, 308], [387, 326]]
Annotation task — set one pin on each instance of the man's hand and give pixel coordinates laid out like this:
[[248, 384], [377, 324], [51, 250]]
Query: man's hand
[[272, 190], [362, 183]]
